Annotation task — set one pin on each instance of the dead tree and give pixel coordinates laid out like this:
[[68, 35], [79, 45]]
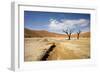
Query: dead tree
[[78, 34], [68, 32]]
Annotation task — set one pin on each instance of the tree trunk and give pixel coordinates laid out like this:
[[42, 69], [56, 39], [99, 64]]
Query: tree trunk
[[69, 37], [77, 36]]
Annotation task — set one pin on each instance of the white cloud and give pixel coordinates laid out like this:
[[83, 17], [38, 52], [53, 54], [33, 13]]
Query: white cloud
[[57, 26], [81, 22]]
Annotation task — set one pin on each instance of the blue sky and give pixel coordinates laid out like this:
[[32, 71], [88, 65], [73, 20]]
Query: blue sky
[[56, 22]]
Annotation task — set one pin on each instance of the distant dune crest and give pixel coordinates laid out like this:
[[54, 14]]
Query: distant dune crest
[[43, 33]]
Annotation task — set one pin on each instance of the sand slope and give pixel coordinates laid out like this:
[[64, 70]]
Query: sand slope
[[35, 48]]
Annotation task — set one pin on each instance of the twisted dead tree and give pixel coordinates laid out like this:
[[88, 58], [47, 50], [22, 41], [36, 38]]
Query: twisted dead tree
[[68, 32], [78, 34]]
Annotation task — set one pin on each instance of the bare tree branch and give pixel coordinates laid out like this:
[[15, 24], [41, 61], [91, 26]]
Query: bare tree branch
[[65, 31]]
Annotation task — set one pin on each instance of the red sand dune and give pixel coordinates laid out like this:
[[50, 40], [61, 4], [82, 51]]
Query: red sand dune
[[44, 33]]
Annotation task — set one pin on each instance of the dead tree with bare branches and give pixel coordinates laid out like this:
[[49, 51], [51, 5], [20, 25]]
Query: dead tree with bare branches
[[68, 32], [78, 34]]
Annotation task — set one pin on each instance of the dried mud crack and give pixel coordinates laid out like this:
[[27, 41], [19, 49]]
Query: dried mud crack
[[46, 55]]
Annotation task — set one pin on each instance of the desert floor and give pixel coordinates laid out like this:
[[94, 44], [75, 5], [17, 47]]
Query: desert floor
[[36, 49]]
